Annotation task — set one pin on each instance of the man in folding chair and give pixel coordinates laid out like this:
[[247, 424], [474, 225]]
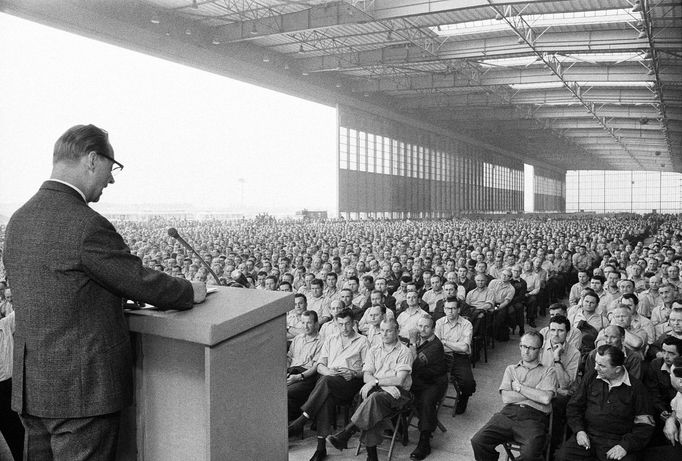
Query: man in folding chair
[[386, 391], [527, 390], [429, 381], [610, 414]]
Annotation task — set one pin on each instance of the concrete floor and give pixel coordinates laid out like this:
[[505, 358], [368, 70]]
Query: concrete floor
[[453, 444]]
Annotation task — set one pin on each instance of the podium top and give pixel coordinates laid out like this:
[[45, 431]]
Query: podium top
[[225, 313]]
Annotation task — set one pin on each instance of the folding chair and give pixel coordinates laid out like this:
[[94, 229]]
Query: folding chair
[[401, 418]]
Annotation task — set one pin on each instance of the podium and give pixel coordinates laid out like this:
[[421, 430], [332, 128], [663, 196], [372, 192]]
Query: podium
[[210, 382]]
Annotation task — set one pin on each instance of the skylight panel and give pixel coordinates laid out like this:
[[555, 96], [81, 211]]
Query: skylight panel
[[574, 18]]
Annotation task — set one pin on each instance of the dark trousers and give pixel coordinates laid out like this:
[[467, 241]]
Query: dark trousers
[[461, 373], [570, 450], [372, 412], [10, 424], [524, 425], [426, 398], [71, 439], [532, 307], [517, 316], [297, 394], [328, 392], [502, 317]]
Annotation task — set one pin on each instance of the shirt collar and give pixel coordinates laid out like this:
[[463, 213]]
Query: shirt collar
[[457, 322], [624, 379], [71, 186], [521, 364], [665, 367]]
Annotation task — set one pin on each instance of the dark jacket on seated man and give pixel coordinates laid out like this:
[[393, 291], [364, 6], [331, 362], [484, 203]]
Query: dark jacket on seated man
[[429, 366]]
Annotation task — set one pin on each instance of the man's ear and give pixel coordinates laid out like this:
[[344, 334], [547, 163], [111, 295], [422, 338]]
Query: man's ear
[[90, 159]]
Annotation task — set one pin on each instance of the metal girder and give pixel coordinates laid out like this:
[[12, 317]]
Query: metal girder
[[424, 100], [334, 13], [563, 123], [401, 53], [632, 73], [655, 66], [528, 35]]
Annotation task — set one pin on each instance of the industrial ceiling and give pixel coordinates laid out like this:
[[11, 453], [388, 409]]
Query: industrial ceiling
[[569, 84]]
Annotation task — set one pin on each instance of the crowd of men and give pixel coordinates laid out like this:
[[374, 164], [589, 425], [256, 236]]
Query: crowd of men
[[386, 315]]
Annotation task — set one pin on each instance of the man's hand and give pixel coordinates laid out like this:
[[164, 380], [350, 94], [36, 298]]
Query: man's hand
[[516, 386], [583, 440], [670, 431], [616, 452], [347, 373], [557, 351], [364, 392], [293, 378], [199, 292], [413, 335]]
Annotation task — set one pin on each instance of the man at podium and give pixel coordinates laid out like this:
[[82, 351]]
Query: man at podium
[[70, 272]]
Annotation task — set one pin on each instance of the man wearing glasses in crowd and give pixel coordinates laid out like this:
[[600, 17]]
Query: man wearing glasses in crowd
[[70, 271], [527, 390]]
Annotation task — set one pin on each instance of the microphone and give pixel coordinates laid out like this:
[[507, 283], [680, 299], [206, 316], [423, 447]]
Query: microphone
[[173, 232]]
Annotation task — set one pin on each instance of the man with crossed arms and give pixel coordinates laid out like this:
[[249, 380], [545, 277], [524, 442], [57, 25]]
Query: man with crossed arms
[[387, 383]]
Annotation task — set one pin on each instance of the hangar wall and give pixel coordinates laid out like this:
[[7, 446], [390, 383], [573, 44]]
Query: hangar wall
[[393, 170]]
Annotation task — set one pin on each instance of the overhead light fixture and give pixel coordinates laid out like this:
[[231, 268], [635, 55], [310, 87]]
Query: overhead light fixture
[[300, 49], [647, 55], [286, 66], [389, 35], [498, 17], [266, 58], [338, 85], [637, 7], [305, 73], [188, 31], [155, 19], [195, 5], [643, 120], [254, 31], [521, 40], [657, 153], [215, 41], [642, 34], [651, 71], [438, 28]]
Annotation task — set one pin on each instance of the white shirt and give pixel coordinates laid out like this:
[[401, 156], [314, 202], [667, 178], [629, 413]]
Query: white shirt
[[7, 327]]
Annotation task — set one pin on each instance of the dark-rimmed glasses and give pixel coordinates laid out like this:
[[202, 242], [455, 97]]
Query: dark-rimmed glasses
[[116, 168]]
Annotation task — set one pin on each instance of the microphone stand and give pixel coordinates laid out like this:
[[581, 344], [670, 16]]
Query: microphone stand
[[173, 232]]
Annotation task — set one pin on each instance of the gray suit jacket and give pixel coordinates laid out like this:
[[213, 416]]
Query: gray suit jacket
[[70, 270]]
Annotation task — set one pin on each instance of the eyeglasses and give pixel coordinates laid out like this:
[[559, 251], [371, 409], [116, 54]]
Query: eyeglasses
[[116, 168], [528, 348]]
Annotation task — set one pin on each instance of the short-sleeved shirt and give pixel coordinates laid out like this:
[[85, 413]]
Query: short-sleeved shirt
[[374, 336], [408, 320], [502, 292], [480, 298], [538, 377], [304, 350], [294, 320], [431, 298], [459, 331], [352, 356], [319, 305], [569, 360], [386, 361], [532, 281]]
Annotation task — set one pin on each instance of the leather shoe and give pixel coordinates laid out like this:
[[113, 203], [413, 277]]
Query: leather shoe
[[319, 455], [296, 426], [338, 441], [462, 404]]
